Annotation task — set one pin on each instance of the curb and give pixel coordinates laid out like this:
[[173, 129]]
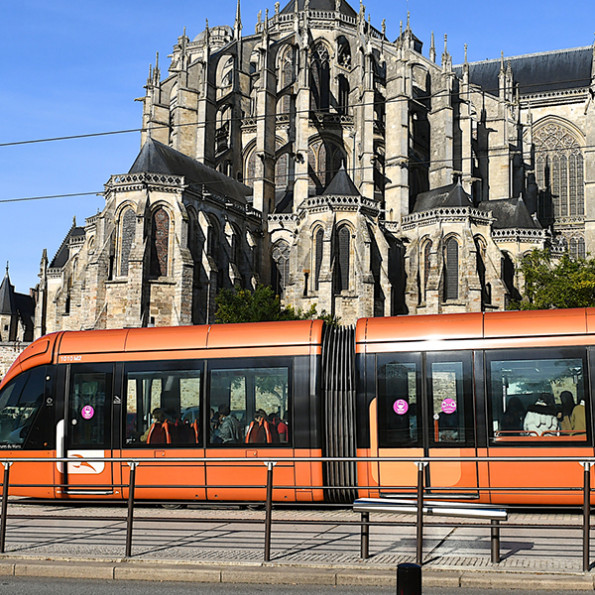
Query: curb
[[271, 573]]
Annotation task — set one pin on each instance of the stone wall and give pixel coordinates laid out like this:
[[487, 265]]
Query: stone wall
[[8, 353]]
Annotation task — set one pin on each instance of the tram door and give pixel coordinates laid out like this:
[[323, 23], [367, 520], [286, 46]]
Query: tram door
[[85, 432], [425, 408]]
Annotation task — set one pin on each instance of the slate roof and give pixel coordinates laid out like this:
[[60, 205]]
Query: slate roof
[[63, 253], [320, 5], [7, 301], [25, 306], [155, 157], [536, 73], [341, 185], [510, 213], [452, 195]]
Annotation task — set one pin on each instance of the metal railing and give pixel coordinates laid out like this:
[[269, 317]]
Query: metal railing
[[418, 493]]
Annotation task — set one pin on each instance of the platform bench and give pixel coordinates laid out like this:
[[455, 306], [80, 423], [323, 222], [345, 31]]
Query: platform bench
[[430, 507]]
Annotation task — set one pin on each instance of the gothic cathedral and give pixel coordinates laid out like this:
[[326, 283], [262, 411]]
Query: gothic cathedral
[[360, 174]]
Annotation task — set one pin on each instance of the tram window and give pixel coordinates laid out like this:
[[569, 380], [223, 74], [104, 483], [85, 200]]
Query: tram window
[[90, 406], [398, 407], [20, 402], [449, 383], [163, 407], [249, 405], [537, 399]]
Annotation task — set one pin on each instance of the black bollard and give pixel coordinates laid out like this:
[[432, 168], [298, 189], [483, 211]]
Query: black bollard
[[408, 579]]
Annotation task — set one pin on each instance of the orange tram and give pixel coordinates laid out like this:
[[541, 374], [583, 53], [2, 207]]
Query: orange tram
[[498, 384]]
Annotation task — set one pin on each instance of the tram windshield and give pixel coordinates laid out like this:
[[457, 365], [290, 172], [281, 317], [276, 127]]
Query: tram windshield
[[20, 401]]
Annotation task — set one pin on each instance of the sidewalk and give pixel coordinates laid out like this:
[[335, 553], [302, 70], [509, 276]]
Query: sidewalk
[[221, 549]]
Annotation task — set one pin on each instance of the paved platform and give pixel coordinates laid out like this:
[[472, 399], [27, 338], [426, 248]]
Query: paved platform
[[309, 546]]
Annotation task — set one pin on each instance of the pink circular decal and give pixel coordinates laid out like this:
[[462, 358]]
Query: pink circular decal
[[449, 406], [401, 407], [87, 412]]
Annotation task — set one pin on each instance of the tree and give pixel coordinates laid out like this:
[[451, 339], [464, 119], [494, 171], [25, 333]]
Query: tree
[[260, 305], [564, 283]]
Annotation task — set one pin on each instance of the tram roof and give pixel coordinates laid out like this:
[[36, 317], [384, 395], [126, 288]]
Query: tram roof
[[488, 325], [214, 336], [75, 346]]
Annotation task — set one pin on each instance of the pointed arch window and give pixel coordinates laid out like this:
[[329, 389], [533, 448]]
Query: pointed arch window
[[288, 67], [250, 169], [282, 172], [451, 269], [343, 103], [127, 234], [318, 248], [577, 247], [159, 243], [480, 258], [236, 242], [559, 171], [343, 52], [324, 161], [342, 259], [426, 252], [319, 79]]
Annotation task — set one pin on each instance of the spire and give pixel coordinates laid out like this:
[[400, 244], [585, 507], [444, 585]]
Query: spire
[[433, 49], [156, 72], [446, 59], [6, 295], [502, 78], [265, 29], [237, 28]]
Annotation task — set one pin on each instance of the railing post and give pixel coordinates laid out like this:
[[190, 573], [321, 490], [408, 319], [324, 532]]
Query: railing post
[[365, 536], [130, 516], [495, 540], [268, 512], [420, 512], [586, 515], [5, 485]]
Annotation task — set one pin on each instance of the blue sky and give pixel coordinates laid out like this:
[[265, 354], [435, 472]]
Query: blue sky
[[73, 68]]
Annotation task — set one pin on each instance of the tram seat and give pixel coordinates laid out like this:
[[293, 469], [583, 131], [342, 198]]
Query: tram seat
[[160, 433], [182, 433]]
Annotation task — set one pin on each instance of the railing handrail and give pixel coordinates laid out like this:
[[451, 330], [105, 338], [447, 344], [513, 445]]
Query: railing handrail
[[271, 461], [281, 459]]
